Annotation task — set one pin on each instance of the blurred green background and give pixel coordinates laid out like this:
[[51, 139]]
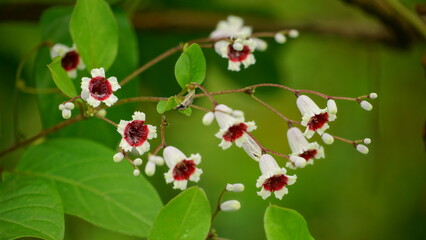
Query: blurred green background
[[347, 195]]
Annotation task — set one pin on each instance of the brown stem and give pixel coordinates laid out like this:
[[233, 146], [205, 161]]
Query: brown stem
[[200, 108], [41, 134], [107, 120], [274, 110], [207, 93], [162, 135]]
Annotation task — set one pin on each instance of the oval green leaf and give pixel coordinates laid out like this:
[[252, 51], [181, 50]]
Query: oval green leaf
[[191, 66], [93, 187], [187, 216], [94, 30], [285, 224], [61, 79], [30, 208]]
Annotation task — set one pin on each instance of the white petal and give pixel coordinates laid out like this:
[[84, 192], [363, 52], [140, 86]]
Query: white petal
[[308, 133], [195, 177], [234, 66], [268, 165], [172, 156], [110, 100], [241, 140], [114, 84], [143, 148], [152, 131], [307, 106], [225, 144], [296, 140], [169, 176], [250, 60], [196, 158], [125, 146], [121, 126], [221, 48], [321, 130], [250, 126], [291, 179], [81, 64], [59, 50], [93, 102], [138, 116], [264, 193], [260, 45], [180, 184], [98, 72], [280, 194]]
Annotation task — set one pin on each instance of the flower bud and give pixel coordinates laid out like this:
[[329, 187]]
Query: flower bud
[[367, 140], [362, 148], [150, 168], [118, 157], [298, 162], [137, 162], [101, 113], [293, 33], [327, 138], [280, 38], [237, 187], [61, 107], [66, 113], [372, 95], [136, 172], [237, 46], [69, 105], [157, 160], [208, 118], [230, 206], [331, 106], [366, 105]]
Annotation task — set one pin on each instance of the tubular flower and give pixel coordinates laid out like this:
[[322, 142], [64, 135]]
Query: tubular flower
[[301, 148], [273, 178], [135, 133], [314, 118], [70, 59], [233, 128], [239, 47], [99, 89], [181, 167]]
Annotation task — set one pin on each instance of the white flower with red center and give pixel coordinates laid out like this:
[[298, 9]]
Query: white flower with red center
[[136, 133], [301, 148], [233, 128], [314, 118], [273, 178], [99, 89], [182, 168], [70, 59], [239, 47]]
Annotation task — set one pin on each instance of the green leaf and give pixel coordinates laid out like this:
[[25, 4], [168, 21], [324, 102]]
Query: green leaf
[[191, 66], [93, 187], [187, 111], [61, 79], [161, 106], [283, 223], [54, 24], [187, 216], [94, 30], [164, 106], [30, 208]]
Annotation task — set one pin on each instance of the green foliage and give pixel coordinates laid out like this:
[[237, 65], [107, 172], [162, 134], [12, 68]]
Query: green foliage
[[283, 223], [30, 208], [171, 103], [93, 187], [94, 30], [187, 216], [191, 66], [61, 78]]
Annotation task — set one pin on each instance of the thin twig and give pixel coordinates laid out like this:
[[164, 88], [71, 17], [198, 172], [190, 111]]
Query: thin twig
[[274, 110], [106, 120]]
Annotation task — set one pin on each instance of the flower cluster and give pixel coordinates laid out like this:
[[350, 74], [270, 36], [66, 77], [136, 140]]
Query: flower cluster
[[66, 109], [70, 59]]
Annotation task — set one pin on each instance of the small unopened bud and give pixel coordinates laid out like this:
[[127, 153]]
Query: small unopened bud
[[136, 172], [367, 140], [101, 113], [150, 168], [208, 118], [66, 113], [293, 33], [69, 105], [331, 106], [61, 107], [362, 148], [137, 162], [327, 138], [237, 46], [118, 157], [373, 95], [230, 206], [156, 159], [298, 162], [280, 38], [237, 187], [366, 105]]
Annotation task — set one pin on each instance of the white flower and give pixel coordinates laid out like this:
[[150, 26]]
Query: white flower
[[99, 89], [280, 38], [208, 118], [327, 138], [232, 26], [70, 59], [237, 187], [300, 147], [372, 95], [273, 178], [366, 105], [181, 167], [314, 118], [118, 157], [135, 133], [362, 148], [232, 129], [230, 206]]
